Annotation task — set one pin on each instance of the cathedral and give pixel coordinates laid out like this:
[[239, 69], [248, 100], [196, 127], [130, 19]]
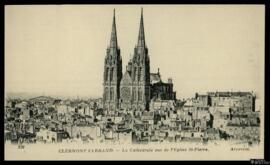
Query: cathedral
[[135, 88]]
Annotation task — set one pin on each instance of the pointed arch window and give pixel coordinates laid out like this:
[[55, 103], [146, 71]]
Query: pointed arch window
[[106, 94], [133, 94], [111, 94], [139, 73], [111, 74], [107, 74], [139, 94], [135, 73]]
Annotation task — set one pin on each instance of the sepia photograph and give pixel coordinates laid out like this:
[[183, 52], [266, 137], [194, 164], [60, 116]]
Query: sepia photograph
[[134, 82]]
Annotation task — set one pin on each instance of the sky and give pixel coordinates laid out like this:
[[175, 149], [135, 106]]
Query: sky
[[60, 49]]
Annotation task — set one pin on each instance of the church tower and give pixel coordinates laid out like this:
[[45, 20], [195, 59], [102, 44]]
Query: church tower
[[140, 72], [112, 73]]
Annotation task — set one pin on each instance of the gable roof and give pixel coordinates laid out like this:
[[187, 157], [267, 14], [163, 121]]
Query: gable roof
[[126, 80]]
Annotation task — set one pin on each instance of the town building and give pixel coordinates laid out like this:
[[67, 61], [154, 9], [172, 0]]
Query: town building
[[238, 101]]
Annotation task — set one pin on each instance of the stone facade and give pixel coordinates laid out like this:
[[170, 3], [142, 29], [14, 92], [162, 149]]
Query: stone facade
[[112, 73], [239, 101], [135, 86], [135, 89]]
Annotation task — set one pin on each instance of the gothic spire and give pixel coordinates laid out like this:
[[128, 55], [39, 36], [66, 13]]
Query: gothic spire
[[141, 38], [113, 42]]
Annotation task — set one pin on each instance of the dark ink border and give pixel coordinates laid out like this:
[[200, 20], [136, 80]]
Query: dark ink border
[[153, 2]]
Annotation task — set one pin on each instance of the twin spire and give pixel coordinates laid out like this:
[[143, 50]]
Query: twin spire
[[141, 37]]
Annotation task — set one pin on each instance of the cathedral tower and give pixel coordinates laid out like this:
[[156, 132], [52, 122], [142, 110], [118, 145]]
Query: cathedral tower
[[140, 72], [112, 73]]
